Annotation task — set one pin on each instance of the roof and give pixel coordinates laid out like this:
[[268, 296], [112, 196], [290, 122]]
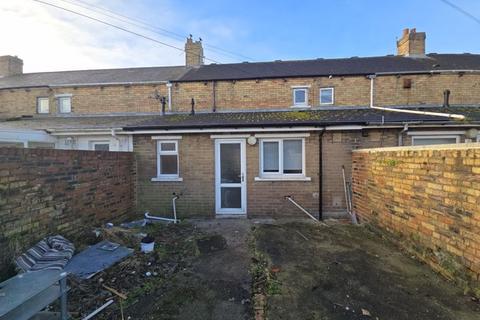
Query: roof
[[344, 116], [93, 77], [238, 71], [335, 67], [72, 123]]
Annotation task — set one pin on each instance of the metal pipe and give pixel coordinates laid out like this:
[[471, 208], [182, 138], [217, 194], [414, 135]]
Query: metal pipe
[[400, 134], [446, 98], [289, 198], [320, 175]]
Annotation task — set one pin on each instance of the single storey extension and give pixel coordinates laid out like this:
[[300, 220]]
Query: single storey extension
[[246, 163]]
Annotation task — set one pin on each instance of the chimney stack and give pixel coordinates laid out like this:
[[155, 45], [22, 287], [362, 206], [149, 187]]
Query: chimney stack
[[193, 52], [10, 66], [411, 44]]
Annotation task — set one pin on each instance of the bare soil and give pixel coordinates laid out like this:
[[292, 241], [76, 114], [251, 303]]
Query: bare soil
[[197, 271], [348, 272]]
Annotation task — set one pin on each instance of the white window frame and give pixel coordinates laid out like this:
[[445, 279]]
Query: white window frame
[[302, 104], [95, 142], [38, 105], [443, 136], [272, 176], [320, 96], [64, 96], [167, 177]]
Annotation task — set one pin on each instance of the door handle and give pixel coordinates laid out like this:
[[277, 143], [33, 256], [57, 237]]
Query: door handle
[[242, 177]]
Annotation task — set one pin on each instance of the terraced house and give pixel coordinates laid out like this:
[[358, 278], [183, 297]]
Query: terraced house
[[236, 139]]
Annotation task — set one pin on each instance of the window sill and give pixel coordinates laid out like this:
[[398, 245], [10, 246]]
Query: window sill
[[300, 107], [283, 179], [162, 179]]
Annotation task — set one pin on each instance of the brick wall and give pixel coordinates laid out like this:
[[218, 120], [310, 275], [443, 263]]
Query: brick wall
[[248, 94], [46, 192], [197, 190], [197, 168], [428, 195], [85, 100]]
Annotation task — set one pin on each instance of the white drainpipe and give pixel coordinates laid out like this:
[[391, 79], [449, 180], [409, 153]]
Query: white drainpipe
[[169, 88], [438, 114]]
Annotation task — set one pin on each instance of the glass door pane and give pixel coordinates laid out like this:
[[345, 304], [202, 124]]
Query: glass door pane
[[231, 184], [230, 165]]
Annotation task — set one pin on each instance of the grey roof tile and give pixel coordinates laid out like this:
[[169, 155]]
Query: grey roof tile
[[335, 67], [90, 77], [318, 117]]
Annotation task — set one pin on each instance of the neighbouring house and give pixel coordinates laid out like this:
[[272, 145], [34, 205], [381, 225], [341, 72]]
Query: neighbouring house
[[236, 139]]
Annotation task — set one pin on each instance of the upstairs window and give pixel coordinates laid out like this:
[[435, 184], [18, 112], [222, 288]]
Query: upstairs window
[[282, 158], [326, 96], [43, 105], [300, 97], [64, 104]]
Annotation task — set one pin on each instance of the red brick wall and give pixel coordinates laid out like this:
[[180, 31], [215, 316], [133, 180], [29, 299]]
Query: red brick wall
[[46, 192], [428, 195]]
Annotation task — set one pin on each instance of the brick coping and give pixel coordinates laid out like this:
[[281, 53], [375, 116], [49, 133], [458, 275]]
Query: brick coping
[[438, 147]]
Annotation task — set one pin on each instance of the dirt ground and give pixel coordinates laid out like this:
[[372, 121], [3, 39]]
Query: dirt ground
[[348, 272], [199, 270], [214, 269]]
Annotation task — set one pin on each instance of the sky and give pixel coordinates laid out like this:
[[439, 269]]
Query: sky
[[50, 39]]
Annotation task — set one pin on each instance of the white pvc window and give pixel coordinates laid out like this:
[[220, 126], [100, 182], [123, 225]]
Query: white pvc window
[[282, 158], [327, 96], [43, 105], [432, 140], [300, 97], [64, 104], [100, 145], [167, 160]]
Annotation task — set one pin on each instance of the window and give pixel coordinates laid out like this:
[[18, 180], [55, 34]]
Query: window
[[43, 105], [167, 160], [100, 145], [429, 140], [300, 97], [282, 158], [326, 96], [64, 104]]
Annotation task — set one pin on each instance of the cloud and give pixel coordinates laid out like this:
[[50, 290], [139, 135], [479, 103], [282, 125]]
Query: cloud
[[49, 39]]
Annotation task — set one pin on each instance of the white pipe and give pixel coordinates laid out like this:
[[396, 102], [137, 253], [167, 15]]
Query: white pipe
[[94, 313], [400, 135], [438, 114], [169, 87], [148, 216], [174, 220]]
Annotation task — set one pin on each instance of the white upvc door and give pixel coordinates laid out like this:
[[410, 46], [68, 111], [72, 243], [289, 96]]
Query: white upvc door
[[230, 176]]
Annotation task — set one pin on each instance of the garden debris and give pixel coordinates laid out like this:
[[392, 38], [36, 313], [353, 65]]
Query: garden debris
[[97, 258], [97, 311], [51, 253]]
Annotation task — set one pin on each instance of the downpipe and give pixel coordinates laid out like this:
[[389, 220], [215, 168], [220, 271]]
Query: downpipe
[[156, 218]]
